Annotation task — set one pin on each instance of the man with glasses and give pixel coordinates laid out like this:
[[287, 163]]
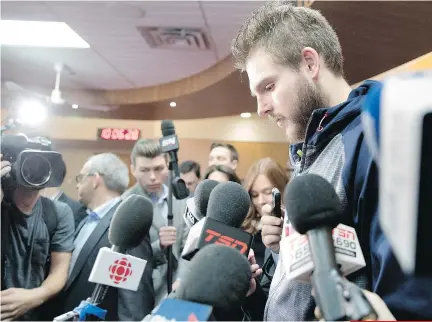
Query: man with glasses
[[100, 183], [149, 166]]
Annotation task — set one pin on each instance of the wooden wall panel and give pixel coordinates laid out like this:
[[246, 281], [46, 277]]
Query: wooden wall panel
[[76, 153]]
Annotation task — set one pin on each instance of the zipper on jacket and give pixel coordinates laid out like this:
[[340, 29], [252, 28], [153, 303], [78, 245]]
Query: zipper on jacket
[[320, 127]]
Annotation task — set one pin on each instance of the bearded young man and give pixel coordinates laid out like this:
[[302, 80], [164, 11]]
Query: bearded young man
[[294, 62]]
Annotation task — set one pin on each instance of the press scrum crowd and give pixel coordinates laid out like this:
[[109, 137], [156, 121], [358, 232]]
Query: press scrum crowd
[[294, 63]]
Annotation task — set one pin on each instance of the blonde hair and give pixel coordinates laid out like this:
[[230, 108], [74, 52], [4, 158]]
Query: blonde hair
[[283, 30], [277, 177]]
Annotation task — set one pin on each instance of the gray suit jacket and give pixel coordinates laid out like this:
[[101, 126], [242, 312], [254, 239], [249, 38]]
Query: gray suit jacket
[[160, 268]]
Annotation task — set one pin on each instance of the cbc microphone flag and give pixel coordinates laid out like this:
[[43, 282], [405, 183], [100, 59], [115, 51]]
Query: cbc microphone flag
[[117, 270]]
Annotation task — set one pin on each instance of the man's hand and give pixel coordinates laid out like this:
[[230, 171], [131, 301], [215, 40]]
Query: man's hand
[[15, 302], [271, 229], [256, 271], [377, 303], [5, 168], [167, 236]]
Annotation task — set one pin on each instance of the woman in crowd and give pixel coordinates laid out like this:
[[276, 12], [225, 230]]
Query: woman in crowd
[[221, 173], [261, 178]]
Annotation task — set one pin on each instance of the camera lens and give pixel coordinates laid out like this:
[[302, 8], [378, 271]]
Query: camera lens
[[36, 170]]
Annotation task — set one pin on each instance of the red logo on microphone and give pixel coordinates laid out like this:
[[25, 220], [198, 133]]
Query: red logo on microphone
[[120, 270]]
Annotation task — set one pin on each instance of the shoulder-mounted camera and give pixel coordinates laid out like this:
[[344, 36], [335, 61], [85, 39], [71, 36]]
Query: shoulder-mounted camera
[[33, 162]]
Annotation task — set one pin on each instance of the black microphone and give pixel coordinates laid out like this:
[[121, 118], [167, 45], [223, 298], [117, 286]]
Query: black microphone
[[219, 276], [169, 144], [196, 208], [314, 208], [227, 208], [131, 222]]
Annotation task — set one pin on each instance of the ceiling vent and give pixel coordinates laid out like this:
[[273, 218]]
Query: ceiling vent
[[175, 38]]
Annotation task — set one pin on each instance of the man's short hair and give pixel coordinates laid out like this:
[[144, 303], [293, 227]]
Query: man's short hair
[[190, 165], [283, 30], [113, 170], [230, 147], [147, 148]]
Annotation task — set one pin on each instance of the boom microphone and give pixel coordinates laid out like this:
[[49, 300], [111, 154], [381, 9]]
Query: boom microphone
[[228, 206], [314, 209]]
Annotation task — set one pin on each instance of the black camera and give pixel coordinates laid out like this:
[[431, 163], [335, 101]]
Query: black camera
[[33, 163]]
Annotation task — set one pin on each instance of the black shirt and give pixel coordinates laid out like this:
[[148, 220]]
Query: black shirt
[[29, 246]]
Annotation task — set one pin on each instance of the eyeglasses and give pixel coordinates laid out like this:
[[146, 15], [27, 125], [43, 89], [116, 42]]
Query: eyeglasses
[[81, 176]]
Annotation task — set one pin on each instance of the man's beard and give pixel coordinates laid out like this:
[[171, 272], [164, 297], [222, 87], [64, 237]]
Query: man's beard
[[309, 98]]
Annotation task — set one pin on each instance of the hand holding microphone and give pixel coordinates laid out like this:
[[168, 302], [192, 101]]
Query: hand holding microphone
[[378, 304], [314, 210], [167, 236]]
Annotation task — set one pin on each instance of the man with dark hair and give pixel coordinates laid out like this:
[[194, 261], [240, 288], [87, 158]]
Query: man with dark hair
[[190, 172], [149, 166], [294, 63], [223, 154]]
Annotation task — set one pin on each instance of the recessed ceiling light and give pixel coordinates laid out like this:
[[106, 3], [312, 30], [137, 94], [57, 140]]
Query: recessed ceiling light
[[75, 106], [173, 104], [245, 115], [39, 34]]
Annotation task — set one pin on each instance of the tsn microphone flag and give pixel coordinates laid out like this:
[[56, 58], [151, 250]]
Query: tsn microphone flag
[[117, 270], [296, 256]]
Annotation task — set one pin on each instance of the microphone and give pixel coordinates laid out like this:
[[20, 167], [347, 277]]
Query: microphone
[[197, 206], [177, 187], [397, 122], [314, 209], [227, 208], [169, 144], [218, 289], [130, 223]]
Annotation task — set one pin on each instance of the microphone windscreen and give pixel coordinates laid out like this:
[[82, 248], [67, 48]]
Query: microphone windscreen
[[218, 276], [167, 127], [229, 203], [311, 202], [202, 194], [131, 222]]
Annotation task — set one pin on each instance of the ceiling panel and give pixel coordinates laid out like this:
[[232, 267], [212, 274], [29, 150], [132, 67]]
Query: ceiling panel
[[119, 57]]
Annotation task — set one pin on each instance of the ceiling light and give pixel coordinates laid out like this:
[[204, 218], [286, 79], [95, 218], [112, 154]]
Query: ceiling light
[[245, 115], [39, 34], [173, 104], [31, 113], [75, 106]]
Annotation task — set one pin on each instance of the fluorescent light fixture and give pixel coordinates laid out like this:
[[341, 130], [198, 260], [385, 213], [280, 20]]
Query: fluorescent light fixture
[[39, 34], [173, 104], [75, 106], [245, 115]]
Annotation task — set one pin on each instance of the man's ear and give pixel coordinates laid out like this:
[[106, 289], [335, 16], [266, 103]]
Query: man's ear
[[234, 164]]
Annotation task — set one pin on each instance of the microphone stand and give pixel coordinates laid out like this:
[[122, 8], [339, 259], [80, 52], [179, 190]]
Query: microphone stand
[[170, 223]]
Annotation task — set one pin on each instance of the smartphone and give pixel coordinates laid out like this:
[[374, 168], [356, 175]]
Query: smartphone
[[276, 198]]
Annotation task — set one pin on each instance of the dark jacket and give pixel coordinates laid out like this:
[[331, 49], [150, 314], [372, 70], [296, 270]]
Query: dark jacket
[[120, 304], [335, 149]]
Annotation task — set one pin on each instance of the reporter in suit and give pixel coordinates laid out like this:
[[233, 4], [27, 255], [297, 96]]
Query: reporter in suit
[[149, 166], [100, 184]]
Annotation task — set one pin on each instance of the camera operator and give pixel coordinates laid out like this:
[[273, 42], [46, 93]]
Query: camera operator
[[37, 233]]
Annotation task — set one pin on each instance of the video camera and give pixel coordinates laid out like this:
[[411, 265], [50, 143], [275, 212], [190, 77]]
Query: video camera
[[33, 163]]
